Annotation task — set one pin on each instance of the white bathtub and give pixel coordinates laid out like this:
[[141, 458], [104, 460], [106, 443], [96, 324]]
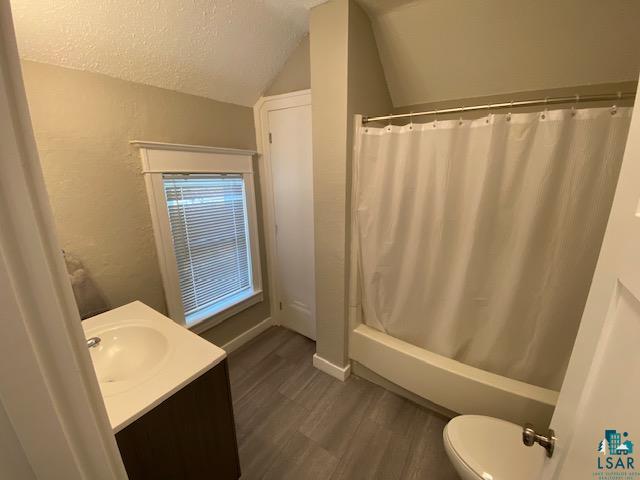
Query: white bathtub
[[453, 385], [449, 383]]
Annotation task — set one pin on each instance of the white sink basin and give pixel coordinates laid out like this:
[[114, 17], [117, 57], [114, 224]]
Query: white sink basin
[[127, 355], [143, 358]]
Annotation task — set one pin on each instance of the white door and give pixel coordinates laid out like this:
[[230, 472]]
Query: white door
[[601, 390], [292, 178]]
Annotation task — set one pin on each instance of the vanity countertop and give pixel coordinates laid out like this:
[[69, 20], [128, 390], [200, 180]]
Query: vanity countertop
[[143, 358]]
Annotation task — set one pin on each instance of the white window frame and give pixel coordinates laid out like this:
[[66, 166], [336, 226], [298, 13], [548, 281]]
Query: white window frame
[[169, 158]]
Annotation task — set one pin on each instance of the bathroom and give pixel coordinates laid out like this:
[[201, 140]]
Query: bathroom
[[309, 239]]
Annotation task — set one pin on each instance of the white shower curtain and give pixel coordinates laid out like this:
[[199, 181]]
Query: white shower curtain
[[478, 239]]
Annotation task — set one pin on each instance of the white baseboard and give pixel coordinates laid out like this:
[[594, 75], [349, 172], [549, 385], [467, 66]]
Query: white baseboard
[[341, 373], [247, 336]]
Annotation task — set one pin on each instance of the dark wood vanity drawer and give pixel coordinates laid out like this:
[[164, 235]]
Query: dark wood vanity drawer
[[191, 435]]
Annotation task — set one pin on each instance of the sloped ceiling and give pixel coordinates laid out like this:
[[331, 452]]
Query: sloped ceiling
[[436, 50], [227, 50]]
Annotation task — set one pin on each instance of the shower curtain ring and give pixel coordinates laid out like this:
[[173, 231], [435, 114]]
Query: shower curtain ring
[[575, 103], [509, 113], [462, 110], [546, 102], [614, 107]]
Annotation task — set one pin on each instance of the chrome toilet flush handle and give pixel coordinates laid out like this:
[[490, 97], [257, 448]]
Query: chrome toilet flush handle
[[529, 437], [93, 342]]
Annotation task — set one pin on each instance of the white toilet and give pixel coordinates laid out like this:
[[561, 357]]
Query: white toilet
[[486, 448]]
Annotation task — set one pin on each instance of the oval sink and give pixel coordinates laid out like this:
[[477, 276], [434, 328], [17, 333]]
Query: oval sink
[[127, 355]]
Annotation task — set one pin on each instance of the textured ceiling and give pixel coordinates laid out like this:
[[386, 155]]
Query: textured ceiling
[[227, 50]]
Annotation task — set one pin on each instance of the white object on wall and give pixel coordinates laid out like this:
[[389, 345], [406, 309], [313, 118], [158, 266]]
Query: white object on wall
[[89, 299]]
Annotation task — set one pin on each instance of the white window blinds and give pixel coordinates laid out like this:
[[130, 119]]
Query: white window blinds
[[208, 218]]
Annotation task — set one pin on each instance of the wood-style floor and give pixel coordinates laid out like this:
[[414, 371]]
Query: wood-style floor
[[295, 422]]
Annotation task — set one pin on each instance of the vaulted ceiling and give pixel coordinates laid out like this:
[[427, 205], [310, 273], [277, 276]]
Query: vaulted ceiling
[[431, 50], [435, 50], [227, 50]]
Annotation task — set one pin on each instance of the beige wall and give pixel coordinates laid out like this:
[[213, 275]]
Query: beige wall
[[435, 50], [295, 74], [83, 123], [346, 76], [368, 91], [328, 26], [13, 460]]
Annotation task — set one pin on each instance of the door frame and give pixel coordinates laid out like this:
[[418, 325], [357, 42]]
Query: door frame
[[48, 387], [261, 110]]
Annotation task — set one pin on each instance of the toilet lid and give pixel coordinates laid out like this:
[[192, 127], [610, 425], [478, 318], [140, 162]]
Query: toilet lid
[[493, 448]]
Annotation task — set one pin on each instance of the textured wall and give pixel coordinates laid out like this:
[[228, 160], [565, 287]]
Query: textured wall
[[346, 76], [83, 123], [295, 74], [435, 50]]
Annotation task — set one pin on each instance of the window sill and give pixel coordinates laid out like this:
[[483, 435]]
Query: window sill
[[207, 320]]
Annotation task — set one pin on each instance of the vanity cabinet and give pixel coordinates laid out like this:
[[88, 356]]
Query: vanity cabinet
[[190, 435]]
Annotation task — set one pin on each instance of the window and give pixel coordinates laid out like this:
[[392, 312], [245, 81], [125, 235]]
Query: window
[[203, 210], [208, 221]]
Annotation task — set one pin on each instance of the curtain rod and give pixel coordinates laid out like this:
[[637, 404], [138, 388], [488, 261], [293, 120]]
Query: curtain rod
[[521, 103]]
